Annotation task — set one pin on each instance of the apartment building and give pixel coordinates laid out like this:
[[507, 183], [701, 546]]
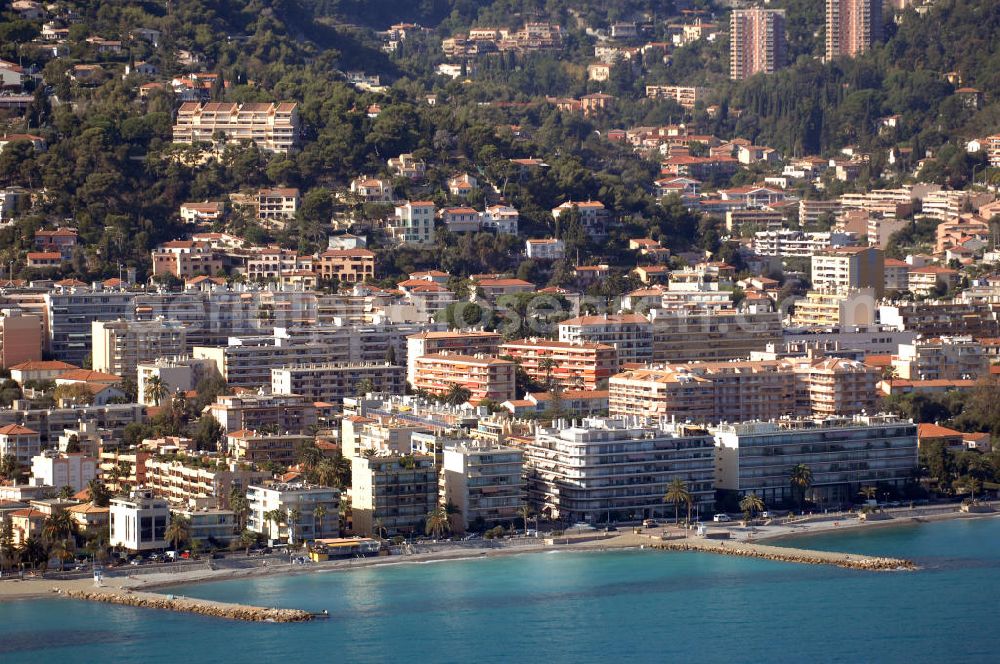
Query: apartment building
[[593, 216], [835, 309], [937, 318], [207, 212], [485, 377], [844, 454], [119, 346], [602, 469], [931, 280], [21, 337], [270, 262], [59, 469], [502, 219], [19, 442], [685, 96], [465, 342], [277, 206], [249, 360], [176, 374], [630, 334], [372, 190], [548, 249], [123, 469], [849, 268], [859, 339], [272, 127], [258, 447], [738, 391], [853, 27], [571, 365], [185, 259], [71, 312], [139, 522], [944, 358], [788, 243], [413, 222], [346, 265], [281, 412], [210, 526], [708, 336], [330, 383], [811, 211], [392, 494], [300, 504], [756, 42], [50, 423], [199, 479], [483, 481]]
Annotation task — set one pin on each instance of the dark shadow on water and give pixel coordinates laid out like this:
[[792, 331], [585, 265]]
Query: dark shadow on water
[[47, 640]]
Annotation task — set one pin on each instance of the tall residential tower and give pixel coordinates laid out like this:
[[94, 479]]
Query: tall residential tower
[[757, 42], [852, 27]]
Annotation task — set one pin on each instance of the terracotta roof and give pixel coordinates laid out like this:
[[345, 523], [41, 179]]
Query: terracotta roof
[[44, 365], [89, 376], [935, 431], [17, 430]]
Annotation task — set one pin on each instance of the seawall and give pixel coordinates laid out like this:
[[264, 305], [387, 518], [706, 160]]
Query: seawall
[[789, 555], [191, 605]]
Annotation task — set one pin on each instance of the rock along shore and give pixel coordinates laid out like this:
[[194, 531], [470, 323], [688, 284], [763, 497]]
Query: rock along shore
[[189, 605], [789, 555]]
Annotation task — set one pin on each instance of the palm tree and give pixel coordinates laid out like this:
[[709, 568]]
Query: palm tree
[[66, 492], [437, 523], [327, 473], [62, 549], [319, 514], [247, 539], [99, 494], [178, 531], [751, 504], [294, 516], [155, 390], [677, 493], [310, 457], [457, 394], [525, 512], [58, 525], [240, 506], [277, 517], [802, 478], [378, 528], [868, 492], [547, 365]]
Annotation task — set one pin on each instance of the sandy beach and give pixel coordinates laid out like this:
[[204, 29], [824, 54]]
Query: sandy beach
[[777, 533]]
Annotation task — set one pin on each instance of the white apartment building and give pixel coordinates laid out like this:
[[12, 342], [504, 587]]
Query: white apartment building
[[177, 374], [332, 382], [288, 499], [59, 469], [19, 442], [501, 219], [946, 358], [483, 481], [843, 454], [789, 243], [277, 205], [602, 469], [848, 268], [593, 215], [139, 522], [413, 222], [549, 249], [273, 127], [184, 481], [119, 346]]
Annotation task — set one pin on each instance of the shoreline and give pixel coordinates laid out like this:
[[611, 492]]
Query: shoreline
[[778, 534]]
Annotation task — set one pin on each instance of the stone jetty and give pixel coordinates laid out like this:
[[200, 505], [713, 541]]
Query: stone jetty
[[789, 555], [191, 605]]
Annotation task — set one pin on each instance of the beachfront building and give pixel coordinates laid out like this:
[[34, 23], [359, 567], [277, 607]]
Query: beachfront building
[[844, 454], [571, 365], [139, 522], [602, 469], [199, 479], [392, 494], [210, 526], [630, 334], [291, 512], [483, 481]]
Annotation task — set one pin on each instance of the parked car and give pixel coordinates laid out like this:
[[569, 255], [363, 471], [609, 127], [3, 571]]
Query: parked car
[[721, 518], [649, 523]]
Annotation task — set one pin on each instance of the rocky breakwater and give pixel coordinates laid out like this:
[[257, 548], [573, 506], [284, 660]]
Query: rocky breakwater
[[190, 605], [789, 555]]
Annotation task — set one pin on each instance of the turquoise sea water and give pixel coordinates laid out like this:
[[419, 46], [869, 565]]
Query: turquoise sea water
[[642, 606]]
